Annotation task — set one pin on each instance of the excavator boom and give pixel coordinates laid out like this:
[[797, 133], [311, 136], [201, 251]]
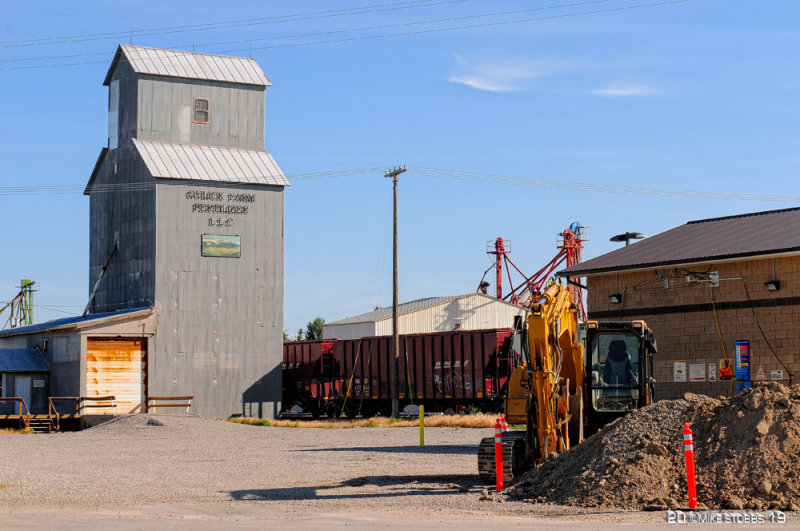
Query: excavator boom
[[548, 390]]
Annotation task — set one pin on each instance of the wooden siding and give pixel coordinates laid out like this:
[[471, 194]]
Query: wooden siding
[[117, 367]]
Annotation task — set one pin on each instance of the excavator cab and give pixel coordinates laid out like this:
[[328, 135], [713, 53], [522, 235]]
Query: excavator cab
[[619, 363]]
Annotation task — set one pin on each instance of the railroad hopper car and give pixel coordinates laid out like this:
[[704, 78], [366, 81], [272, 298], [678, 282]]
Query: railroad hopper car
[[443, 371]]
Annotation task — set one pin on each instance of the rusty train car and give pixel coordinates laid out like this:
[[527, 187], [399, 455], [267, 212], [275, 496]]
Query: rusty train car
[[442, 371]]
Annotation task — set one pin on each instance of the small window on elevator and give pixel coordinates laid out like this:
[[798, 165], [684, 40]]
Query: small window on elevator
[[200, 111]]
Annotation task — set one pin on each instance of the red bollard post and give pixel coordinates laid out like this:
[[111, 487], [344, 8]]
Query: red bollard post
[[503, 423], [498, 454], [688, 446]]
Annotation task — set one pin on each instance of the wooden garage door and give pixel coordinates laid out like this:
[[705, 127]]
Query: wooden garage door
[[117, 367]]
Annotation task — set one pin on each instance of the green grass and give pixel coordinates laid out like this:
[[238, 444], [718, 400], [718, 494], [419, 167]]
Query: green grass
[[12, 431], [448, 421]]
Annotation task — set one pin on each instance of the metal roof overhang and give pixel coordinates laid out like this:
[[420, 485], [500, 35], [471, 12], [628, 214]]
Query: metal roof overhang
[[204, 163], [77, 323], [22, 360]]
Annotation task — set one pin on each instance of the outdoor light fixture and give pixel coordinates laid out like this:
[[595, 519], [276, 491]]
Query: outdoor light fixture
[[627, 237], [772, 285], [615, 298]]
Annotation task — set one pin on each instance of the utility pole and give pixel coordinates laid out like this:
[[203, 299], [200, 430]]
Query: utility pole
[[395, 339]]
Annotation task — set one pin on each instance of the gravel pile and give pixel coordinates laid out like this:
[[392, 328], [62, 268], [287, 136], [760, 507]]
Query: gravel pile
[[746, 450]]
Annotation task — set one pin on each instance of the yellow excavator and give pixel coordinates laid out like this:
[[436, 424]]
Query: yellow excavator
[[568, 385]]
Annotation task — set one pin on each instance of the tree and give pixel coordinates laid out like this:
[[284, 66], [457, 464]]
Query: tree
[[314, 328], [286, 336], [300, 335]]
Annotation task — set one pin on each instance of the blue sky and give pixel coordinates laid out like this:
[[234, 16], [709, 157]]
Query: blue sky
[[697, 95]]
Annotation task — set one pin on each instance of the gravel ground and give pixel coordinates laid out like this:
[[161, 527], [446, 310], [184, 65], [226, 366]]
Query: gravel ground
[[173, 471]]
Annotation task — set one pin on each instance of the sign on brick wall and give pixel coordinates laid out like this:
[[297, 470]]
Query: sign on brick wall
[[742, 349], [697, 372], [679, 371], [725, 372]]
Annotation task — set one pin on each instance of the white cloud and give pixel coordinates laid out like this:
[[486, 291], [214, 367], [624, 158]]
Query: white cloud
[[484, 83], [502, 75], [624, 90]]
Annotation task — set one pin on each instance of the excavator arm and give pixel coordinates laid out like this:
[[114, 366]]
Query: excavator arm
[[546, 392], [549, 384]]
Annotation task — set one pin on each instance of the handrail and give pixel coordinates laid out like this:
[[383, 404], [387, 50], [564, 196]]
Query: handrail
[[52, 410], [108, 402], [184, 401], [75, 399], [24, 419]]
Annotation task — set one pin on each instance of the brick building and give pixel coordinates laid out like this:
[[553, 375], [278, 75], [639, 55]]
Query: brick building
[[704, 284]]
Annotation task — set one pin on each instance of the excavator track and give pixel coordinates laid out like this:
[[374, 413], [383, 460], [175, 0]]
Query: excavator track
[[513, 457]]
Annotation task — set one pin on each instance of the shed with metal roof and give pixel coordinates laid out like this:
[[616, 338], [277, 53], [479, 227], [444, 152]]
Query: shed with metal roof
[[24, 373], [82, 356], [472, 311]]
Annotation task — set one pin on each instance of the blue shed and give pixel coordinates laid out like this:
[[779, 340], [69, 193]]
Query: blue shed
[[24, 373]]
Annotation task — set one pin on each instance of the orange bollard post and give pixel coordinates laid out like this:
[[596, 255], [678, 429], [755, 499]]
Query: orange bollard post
[[498, 454], [688, 446], [503, 423]]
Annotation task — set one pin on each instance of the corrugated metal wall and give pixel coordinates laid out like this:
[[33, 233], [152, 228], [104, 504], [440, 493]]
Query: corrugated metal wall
[[351, 331], [220, 319], [236, 112], [474, 312]]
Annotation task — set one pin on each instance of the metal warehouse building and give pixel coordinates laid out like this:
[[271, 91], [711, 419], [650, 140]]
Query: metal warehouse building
[[186, 244], [473, 311], [732, 280]]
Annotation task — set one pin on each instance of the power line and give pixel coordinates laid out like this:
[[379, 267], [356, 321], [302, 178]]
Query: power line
[[415, 23], [56, 309], [440, 173], [333, 32], [60, 189], [492, 178], [229, 24], [407, 33], [474, 26]]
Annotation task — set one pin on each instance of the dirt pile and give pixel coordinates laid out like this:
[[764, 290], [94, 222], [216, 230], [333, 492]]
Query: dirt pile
[[746, 454]]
